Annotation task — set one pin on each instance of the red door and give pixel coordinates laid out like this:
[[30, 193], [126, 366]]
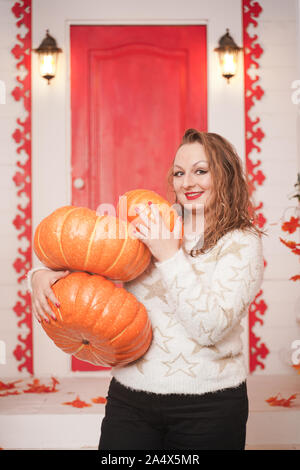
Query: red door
[[134, 91]]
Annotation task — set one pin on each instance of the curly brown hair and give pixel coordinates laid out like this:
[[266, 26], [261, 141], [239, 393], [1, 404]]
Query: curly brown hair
[[230, 206]]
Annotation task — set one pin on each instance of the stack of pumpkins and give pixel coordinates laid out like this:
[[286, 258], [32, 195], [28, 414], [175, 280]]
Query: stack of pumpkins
[[97, 321]]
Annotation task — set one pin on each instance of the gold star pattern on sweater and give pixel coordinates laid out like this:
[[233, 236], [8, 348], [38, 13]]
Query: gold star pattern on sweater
[[197, 347], [175, 288], [222, 290], [241, 274], [172, 319], [224, 362], [140, 364], [180, 364], [213, 348], [196, 269], [234, 248], [195, 308], [229, 314]]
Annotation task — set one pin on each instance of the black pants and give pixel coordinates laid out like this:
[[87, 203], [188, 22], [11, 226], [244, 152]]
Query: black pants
[[139, 420]]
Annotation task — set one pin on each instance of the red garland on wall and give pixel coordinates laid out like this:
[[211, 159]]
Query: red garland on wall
[[253, 135], [22, 180]]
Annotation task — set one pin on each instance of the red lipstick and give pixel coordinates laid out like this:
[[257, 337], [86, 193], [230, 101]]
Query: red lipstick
[[193, 195]]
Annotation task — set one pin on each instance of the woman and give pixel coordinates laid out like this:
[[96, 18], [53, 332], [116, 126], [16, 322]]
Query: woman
[[189, 390]]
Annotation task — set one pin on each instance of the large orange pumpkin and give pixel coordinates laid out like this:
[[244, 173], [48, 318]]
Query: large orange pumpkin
[[76, 238], [98, 322], [142, 198]]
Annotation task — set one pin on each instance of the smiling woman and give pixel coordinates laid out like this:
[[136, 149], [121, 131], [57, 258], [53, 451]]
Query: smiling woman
[[188, 391]]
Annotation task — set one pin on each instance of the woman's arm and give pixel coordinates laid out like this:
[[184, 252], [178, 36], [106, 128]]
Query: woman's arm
[[210, 311], [30, 274]]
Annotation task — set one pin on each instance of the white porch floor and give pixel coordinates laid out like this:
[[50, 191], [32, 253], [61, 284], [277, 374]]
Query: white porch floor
[[41, 421]]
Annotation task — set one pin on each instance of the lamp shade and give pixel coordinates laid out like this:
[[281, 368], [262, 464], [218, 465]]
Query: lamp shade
[[228, 52], [48, 56]]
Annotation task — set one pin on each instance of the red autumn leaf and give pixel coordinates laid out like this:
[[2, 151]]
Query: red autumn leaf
[[286, 402], [295, 247], [295, 278], [288, 243], [9, 385], [292, 225], [77, 403], [99, 400], [36, 387], [271, 399]]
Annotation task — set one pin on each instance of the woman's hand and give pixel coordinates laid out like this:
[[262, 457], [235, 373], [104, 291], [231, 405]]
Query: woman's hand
[[162, 243], [41, 283]]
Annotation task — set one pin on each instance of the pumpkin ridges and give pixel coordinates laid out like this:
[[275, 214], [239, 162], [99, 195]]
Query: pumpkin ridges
[[106, 272], [68, 346], [137, 262], [105, 324], [66, 304], [97, 361], [60, 232], [102, 355], [137, 342], [136, 352], [130, 331], [40, 252], [104, 249], [78, 240], [90, 244], [133, 351], [126, 264], [54, 224], [125, 315], [99, 322], [127, 251], [129, 270], [143, 260], [98, 288], [75, 234]]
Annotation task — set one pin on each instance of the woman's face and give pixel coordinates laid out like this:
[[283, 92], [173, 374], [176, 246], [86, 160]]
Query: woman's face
[[191, 176]]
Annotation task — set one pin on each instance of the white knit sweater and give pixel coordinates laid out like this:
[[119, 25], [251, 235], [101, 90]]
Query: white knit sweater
[[196, 305]]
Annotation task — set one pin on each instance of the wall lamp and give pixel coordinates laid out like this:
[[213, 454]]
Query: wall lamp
[[228, 52], [48, 57]]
